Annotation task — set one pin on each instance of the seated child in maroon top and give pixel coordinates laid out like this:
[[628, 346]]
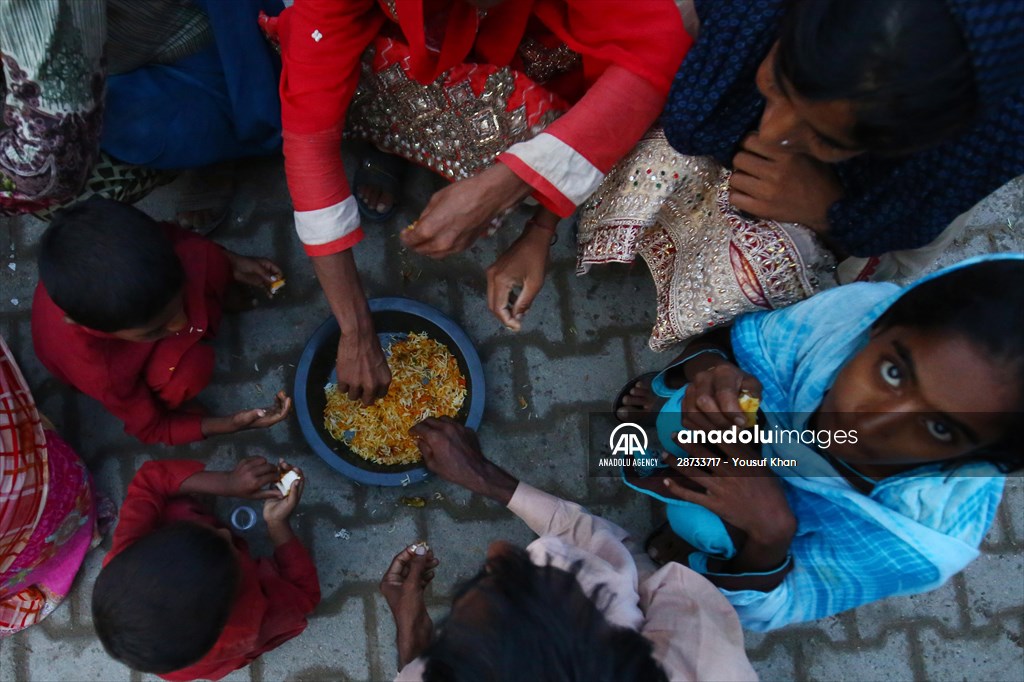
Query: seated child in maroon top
[[124, 312], [179, 595]]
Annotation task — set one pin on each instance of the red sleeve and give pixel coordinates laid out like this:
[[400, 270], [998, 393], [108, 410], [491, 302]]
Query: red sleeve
[[146, 498], [610, 118], [645, 37], [147, 419], [588, 140], [322, 43], [127, 397], [296, 567], [631, 51]]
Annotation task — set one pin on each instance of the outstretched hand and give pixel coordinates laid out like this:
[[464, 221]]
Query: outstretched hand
[[255, 418], [403, 586], [256, 272], [452, 451]]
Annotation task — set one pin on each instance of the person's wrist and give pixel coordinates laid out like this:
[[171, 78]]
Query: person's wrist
[[537, 241], [225, 484], [536, 232], [280, 531], [703, 363], [216, 426], [495, 483], [776, 533], [412, 635], [538, 225], [357, 327], [506, 184]]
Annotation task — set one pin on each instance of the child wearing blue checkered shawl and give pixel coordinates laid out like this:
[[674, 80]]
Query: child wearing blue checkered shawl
[[903, 533]]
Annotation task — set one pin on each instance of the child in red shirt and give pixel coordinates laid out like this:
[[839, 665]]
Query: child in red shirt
[[124, 312], [179, 595]]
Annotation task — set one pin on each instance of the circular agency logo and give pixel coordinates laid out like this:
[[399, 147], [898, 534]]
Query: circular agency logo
[[629, 440]]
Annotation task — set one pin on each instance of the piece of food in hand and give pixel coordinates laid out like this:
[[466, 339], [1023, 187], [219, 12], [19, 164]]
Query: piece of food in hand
[[411, 226], [419, 548], [285, 484], [275, 284], [749, 404]]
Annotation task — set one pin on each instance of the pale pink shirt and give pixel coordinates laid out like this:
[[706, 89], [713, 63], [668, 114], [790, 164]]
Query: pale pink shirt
[[693, 629]]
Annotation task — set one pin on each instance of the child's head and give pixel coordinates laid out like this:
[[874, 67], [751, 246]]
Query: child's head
[[942, 377], [878, 76], [161, 604], [111, 268], [519, 621]]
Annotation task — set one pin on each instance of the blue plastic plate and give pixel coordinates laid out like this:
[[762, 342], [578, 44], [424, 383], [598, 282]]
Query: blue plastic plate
[[394, 318]]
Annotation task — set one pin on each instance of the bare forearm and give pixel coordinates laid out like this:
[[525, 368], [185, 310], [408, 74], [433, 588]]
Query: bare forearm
[[280, 532], [495, 483], [207, 483], [217, 426], [412, 639], [339, 279]]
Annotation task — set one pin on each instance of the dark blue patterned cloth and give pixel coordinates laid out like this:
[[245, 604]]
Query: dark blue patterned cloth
[[890, 204]]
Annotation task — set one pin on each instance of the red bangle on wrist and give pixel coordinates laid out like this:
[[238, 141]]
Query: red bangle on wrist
[[533, 222]]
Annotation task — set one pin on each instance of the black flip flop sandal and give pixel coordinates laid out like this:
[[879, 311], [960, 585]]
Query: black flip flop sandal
[[675, 551], [385, 171]]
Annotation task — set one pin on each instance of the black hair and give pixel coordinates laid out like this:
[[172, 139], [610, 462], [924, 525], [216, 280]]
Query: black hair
[[541, 627], [983, 304], [108, 265], [904, 64], [161, 604]]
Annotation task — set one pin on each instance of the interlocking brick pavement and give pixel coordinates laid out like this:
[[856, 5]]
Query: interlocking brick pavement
[[582, 340]]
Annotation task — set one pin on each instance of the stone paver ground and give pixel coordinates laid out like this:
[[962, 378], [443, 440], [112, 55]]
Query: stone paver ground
[[582, 340]]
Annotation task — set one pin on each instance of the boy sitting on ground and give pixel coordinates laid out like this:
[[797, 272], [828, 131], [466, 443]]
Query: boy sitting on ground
[[124, 312], [179, 594]]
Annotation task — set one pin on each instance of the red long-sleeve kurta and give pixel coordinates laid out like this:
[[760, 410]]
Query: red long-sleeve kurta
[[143, 384], [275, 594], [630, 52]]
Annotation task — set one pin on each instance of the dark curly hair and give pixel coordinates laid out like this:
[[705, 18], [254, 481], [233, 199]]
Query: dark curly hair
[[539, 626]]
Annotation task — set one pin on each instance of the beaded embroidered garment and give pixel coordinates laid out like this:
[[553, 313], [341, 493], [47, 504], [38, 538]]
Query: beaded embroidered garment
[[456, 125], [709, 263]]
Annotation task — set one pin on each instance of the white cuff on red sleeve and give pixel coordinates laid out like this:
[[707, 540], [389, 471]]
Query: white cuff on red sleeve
[[563, 168], [330, 229]]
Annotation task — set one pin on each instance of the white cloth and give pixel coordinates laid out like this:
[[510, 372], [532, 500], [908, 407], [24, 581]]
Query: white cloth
[[693, 629]]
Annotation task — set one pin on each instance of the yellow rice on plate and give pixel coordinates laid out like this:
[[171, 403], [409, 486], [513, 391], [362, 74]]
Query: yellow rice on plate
[[425, 382]]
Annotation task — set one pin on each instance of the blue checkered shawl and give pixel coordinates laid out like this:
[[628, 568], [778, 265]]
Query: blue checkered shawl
[[909, 535]]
